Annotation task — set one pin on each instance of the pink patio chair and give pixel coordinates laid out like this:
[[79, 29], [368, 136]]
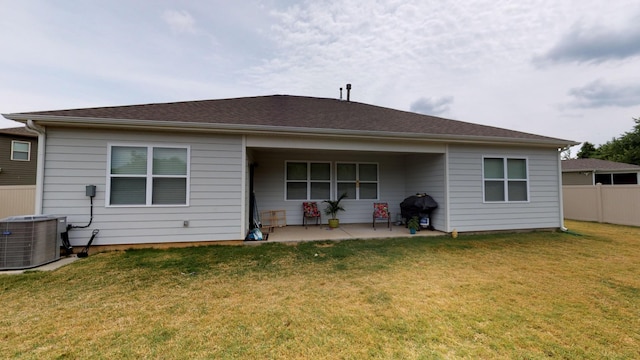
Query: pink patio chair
[[381, 212], [310, 211]]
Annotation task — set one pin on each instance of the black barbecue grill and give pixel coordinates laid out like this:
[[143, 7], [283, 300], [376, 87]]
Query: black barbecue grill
[[421, 206]]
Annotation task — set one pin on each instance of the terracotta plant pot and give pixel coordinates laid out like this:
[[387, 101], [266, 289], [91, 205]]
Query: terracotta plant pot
[[334, 223]]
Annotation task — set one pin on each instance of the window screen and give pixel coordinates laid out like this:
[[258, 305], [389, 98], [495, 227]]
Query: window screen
[[20, 150], [148, 175], [500, 188], [307, 180], [358, 180]]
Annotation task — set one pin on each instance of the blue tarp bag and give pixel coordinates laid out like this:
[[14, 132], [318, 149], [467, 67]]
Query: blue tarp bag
[[254, 235]]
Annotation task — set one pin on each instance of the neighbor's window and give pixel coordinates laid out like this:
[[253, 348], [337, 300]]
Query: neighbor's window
[[358, 180], [20, 150], [604, 179], [148, 175], [625, 179], [505, 179], [617, 179], [307, 180]]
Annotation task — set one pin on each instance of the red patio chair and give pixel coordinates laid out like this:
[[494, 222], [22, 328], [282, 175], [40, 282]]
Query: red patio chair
[[381, 212], [310, 211]]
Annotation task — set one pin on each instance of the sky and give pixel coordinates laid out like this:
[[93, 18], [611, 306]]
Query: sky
[[563, 68]]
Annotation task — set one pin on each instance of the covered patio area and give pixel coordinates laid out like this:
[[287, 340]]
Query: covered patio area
[[297, 233]]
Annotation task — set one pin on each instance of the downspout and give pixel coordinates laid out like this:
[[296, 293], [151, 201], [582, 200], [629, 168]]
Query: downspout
[[243, 190], [42, 137], [447, 189], [561, 200]]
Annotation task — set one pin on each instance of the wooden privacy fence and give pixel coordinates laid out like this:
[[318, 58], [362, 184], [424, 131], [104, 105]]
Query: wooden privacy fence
[[614, 204], [17, 200]]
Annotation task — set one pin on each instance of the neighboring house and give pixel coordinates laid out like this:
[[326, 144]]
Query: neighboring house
[[18, 156], [596, 171], [184, 171]]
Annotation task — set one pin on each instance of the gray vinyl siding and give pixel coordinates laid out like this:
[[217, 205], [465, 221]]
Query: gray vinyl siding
[[425, 173], [76, 158], [467, 210], [218, 205], [270, 186]]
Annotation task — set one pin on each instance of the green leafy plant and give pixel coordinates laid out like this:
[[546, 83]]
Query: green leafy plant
[[413, 223], [333, 206]]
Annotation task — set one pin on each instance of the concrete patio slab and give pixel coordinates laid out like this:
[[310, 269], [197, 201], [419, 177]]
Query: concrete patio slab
[[344, 232]]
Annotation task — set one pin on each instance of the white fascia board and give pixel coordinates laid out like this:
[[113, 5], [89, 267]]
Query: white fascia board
[[280, 130]]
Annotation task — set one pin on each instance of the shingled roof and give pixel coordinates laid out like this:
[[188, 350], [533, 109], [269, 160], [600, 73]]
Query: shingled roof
[[573, 165], [308, 114], [18, 131]]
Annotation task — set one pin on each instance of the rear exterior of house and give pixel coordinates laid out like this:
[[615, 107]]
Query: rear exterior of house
[[430, 169], [186, 176], [18, 156], [602, 191], [18, 164], [597, 171]]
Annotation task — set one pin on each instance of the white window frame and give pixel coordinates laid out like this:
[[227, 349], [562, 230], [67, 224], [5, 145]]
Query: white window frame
[[505, 180], [358, 181], [308, 180], [13, 143], [149, 175]]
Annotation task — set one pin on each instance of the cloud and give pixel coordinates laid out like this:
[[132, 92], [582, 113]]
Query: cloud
[[432, 106], [598, 94], [411, 41], [180, 21], [594, 44]]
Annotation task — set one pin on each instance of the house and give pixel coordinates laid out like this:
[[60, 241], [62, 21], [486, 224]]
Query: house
[[18, 156], [594, 171], [18, 159], [184, 171]]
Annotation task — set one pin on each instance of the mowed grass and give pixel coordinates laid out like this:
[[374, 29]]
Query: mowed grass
[[523, 296]]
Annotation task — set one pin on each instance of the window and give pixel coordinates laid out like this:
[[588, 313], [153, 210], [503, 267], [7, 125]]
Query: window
[[358, 180], [148, 175], [20, 150], [308, 180], [617, 179], [604, 179], [625, 179], [505, 179]]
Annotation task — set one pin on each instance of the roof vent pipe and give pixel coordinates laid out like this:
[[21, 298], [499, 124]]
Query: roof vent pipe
[[340, 94], [348, 92]]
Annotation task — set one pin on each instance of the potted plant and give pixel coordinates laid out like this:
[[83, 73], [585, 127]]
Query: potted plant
[[413, 224], [333, 207]]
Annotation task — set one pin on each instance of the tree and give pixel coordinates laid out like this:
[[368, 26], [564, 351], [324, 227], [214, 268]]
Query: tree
[[625, 149], [587, 150]]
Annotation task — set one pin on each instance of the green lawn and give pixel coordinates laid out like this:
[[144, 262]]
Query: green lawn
[[525, 295]]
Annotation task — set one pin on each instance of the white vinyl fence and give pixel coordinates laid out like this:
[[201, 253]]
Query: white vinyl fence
[[17, 200], [614, 204]]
